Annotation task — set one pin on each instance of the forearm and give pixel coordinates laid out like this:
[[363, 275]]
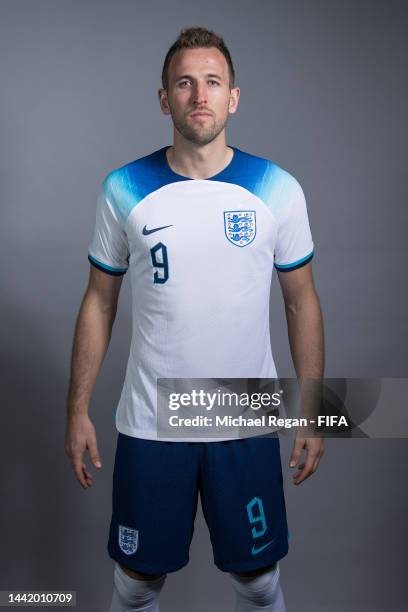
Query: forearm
[[306, 337], [305, 329], [91, 340]]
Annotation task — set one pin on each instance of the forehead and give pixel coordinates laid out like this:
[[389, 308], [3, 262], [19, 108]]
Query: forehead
[[197, 61]]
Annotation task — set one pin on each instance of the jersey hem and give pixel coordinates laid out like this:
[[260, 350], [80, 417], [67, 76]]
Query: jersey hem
[[147, 567], [252, 565], [296, 264], [136, 433], [105, 268]]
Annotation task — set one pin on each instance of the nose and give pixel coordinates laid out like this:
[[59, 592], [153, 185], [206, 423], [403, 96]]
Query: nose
[[200, 93]]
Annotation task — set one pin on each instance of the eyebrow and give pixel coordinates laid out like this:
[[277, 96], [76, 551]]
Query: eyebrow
[[188, 76]]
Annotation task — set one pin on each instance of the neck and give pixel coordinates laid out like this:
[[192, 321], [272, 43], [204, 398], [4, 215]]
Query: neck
[[199, 161]]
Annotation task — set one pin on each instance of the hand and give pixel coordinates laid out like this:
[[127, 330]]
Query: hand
[[80, 435], [314, 451]]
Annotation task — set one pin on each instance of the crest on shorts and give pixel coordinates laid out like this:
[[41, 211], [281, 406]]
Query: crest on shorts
[[128, 539], [240, 226]]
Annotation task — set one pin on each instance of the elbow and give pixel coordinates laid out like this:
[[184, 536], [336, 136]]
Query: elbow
[[291, 309], [305, 301]]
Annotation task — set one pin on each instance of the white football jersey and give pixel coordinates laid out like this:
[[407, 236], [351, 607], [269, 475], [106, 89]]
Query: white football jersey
[[200, 254]]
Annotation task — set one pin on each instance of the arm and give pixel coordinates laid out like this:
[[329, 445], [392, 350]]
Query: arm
[[91, 339], [306, 339]]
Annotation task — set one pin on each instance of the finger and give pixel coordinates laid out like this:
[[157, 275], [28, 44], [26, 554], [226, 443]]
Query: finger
[[296, 452], [94, 453], [88, 478], [302, 465], [88, 475], [300, 476], [78, 469], [319, 454], [315, 450], [89, 482], [317, 461]]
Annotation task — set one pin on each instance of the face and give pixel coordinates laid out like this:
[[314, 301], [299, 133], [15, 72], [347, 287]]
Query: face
[[199, 82]]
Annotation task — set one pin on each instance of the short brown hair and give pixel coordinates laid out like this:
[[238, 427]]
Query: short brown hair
[[196, 38]]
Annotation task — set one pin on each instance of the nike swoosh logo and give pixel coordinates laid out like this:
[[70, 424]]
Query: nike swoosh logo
[[255, 551], [146, 231]]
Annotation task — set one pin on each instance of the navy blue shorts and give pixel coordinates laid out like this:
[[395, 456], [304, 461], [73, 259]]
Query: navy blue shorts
[[155, 493]]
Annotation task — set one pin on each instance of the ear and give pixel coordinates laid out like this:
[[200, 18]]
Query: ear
[[164, 105], [234, 99]]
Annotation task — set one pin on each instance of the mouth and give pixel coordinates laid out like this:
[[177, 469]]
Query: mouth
[[200, 114]]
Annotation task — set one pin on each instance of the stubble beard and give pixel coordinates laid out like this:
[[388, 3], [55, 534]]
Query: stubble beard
[[199, 133]]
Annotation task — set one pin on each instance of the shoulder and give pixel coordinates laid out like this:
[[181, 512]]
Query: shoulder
[[275, 185], [132, 173], [125, 186]]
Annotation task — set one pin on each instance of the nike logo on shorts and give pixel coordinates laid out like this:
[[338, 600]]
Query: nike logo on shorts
[[255, 551], [146, 231]]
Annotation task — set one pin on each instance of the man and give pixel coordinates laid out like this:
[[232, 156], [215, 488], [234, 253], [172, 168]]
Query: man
[[200, 226]]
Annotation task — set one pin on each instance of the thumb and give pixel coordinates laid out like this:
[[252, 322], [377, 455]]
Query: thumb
[[297, 449], [94, 454]]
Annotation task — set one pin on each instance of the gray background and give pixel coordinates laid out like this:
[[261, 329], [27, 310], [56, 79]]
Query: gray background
[[324, 95]]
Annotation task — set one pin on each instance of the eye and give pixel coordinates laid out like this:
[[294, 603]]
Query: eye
[[212, 81], [181, 83]]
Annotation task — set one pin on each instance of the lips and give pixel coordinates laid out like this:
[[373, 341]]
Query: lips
[[200, 114]]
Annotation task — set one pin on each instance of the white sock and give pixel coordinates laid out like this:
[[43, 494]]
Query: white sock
[[262, 592], [131, 595]]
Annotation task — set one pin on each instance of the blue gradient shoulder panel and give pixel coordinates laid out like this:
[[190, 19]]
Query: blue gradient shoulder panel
[[128, 185], [265, 179]]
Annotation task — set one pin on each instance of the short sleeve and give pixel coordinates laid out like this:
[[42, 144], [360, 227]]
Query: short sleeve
[[109, 249], [294, 246]]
